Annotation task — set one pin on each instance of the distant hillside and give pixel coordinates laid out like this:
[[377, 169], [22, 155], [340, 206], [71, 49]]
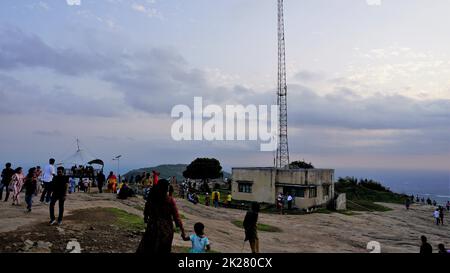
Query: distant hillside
[[166, 171]]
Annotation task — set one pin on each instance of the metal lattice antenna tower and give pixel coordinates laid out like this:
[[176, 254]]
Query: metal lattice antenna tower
[[282, 157]]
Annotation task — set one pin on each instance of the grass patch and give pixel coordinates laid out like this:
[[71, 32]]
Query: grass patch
[[127, 220], [323, 211], [365, 205], [260, 227], [138, 207]]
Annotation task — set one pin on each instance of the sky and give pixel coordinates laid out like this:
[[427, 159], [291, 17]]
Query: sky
[[368, 80]]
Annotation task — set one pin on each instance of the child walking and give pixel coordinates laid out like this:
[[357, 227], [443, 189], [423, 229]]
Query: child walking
[[200, 243]]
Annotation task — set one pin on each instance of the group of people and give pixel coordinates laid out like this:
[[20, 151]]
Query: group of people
[[421, 200], [438, 213], [54, 186], [284, 200], [426, 248]]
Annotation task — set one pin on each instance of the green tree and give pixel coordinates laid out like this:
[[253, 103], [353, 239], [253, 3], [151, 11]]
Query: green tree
[[204, 169], [301, 165]]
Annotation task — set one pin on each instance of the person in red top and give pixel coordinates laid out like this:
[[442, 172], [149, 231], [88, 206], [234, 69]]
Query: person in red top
[[155, 177]]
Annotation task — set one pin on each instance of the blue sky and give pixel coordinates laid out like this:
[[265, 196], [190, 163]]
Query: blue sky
[[369, 85]]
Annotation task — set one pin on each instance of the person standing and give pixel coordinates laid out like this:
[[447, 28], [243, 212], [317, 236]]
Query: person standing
[[112, 182], [216, 198], [47, 177], [250, 226], [39, 176], [290, 199], [407, 203], [436, 216], [160, 212], [60, 184], [425, 248], [17, 184], [100, 181], [7, 174], [30, 185], [207, 199], [441, 215], [448, 205], [72, 185], [229, 199], [155, 177]]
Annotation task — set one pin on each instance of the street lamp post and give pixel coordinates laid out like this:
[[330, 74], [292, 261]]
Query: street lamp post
[[117, 158]]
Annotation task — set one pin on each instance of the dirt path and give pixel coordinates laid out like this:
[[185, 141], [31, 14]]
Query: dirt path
[[397, 230]]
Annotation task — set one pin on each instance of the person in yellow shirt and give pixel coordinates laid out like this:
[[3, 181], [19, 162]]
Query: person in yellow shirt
[[229, 198], [216, 198]]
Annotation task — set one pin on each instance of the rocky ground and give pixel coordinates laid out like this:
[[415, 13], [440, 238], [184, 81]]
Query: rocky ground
[[102, 223]]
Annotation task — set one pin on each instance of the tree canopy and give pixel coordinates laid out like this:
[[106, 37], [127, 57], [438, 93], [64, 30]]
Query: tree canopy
[[203, 168], [301, 165]]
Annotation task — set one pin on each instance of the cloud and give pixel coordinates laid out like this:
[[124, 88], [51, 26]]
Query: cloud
[[149, 11], [374, 2], [26, 99], [44, 133], [21, 50], [308, 76], [345, 109], [73, 2]]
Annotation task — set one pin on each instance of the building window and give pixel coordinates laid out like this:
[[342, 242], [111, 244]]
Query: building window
[[294, 191], [312, 192], [326, 190], [245, 187]]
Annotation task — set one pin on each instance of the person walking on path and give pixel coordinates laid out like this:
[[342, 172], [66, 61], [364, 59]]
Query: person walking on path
[[407, 203], [7, 175], [17, 184], [60, 184], [30, 185], [160, 212], [47, 177], [250, 227]]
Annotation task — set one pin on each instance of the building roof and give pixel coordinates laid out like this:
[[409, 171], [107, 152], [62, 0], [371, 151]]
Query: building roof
[[285, 170]]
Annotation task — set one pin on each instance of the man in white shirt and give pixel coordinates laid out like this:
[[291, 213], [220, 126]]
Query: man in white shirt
[[47, 177], [289, 199]]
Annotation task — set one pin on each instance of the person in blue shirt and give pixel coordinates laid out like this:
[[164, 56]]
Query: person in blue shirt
[[200, 243]]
